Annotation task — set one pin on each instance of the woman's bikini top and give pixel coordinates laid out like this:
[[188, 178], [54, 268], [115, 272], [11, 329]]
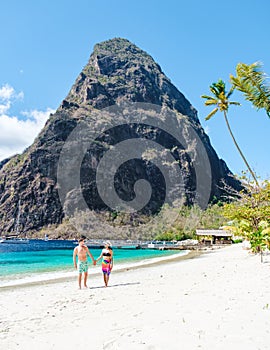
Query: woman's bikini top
[[107, 254]]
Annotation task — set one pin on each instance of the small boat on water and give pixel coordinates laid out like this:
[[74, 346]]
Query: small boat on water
[[14, 240]]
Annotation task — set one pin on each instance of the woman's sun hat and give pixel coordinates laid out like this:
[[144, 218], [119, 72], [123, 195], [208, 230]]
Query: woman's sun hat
[[107, 243]]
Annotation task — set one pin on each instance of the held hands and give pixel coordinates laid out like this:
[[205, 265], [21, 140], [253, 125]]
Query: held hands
[[94, 262]]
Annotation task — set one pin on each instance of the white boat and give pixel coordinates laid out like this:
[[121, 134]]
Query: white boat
[[14, 240], [150, 245]]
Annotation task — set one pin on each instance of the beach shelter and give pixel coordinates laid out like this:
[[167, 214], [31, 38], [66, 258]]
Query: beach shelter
[[214, 236]]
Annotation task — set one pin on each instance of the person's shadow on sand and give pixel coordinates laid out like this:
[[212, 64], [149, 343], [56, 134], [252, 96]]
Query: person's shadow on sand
[[116, 285]]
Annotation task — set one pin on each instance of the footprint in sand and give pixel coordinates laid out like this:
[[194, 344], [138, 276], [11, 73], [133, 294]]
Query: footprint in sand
[[111, 345]]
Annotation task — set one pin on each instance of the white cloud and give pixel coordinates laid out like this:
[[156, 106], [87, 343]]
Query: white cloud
[[6, 92], [4, 107], [16, 133]]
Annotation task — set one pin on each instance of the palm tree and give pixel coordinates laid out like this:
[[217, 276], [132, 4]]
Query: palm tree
[[251, 81], [220, 99]]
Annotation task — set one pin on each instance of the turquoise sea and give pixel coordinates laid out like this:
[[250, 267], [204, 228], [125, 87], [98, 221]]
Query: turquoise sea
[[44, 260]]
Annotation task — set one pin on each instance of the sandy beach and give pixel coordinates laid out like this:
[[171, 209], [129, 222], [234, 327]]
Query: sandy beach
[[217, 300]]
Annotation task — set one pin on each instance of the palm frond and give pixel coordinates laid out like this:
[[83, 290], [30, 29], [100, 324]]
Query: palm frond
[[229, 94], [210, 115], [219, 86], [214, 91], [211, 102], [207, 97], [251, 81], [235, 103]]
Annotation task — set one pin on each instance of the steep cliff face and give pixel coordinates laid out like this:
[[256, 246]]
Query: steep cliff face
[[118, 72]]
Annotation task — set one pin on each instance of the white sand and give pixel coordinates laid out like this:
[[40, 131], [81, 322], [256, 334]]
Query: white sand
[[219, 300]]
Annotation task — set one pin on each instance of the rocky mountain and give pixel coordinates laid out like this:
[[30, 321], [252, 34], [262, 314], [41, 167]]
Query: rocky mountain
[[119, 77]]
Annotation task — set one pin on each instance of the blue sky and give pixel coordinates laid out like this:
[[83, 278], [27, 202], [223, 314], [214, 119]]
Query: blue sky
[[45, 45]]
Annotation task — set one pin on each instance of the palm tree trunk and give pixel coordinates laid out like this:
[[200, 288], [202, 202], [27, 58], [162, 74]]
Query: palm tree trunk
[[239, 150]]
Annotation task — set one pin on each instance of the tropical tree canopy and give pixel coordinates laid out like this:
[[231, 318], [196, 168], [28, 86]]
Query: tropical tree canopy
[[250, 216], [220, 100], [251, 80]]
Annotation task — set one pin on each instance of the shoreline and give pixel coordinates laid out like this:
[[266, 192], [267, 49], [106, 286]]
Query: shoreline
[[217, 300], [96, 271]]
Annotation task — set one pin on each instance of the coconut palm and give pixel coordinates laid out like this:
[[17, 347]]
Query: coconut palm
[[250, 80], [220, 99]]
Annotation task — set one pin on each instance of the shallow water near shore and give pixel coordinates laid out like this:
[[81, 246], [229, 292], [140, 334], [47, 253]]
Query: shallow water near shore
[[40, 260]]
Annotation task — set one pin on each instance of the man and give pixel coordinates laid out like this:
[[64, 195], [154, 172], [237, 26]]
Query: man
[[81, 251]]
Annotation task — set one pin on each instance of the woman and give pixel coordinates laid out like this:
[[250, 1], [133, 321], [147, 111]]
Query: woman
[[107, 261]]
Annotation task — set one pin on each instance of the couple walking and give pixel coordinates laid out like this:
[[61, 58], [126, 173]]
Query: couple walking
[[82, 251]]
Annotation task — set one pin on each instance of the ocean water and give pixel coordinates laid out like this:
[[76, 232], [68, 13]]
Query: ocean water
[[40, 260]]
